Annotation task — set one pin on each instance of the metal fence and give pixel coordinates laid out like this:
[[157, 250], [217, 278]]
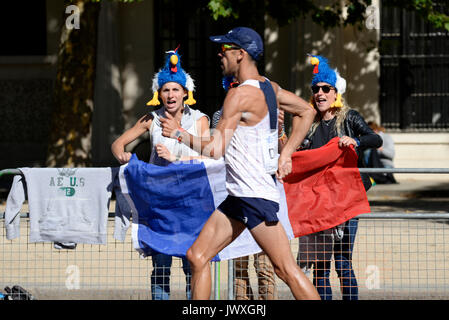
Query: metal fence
[[396, 256], [112, 271]]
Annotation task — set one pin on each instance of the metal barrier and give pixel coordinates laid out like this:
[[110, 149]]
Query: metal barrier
[[112, 271], [396, 256], [404, 170], [377, 277]]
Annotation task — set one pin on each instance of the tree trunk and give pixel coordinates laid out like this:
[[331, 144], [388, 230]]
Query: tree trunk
[[70, 137]]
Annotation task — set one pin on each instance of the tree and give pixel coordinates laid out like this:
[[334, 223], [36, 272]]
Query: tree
[[71, 122], [330, 15], [70, 134]]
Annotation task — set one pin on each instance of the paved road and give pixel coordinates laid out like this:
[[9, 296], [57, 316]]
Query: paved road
[[410, 196]]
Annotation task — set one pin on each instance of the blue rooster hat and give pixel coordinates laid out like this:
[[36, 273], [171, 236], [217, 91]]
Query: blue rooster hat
[[324, 73], [172, 72]]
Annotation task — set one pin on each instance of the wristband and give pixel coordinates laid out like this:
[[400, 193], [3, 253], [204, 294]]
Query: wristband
[[282, 132], [282, 136], [357, 141], [178, 133]]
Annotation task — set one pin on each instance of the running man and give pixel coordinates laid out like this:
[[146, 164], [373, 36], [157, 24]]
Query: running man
[[244, 135]]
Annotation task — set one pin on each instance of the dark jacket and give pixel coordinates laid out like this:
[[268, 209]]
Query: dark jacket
[[355, 126]]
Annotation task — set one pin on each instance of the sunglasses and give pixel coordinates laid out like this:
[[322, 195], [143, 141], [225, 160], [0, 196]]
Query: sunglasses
[[325, 88], [226, 47]]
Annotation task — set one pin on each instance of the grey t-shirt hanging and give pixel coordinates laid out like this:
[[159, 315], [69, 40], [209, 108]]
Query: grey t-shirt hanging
[[68, 204]]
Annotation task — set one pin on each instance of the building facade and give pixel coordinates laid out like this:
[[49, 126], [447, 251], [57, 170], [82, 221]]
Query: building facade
[[396, 67]]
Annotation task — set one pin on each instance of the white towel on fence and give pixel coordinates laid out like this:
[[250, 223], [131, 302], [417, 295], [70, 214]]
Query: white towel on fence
[[65, 204]]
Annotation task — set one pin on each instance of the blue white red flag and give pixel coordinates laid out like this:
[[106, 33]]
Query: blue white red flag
[[171, 204]]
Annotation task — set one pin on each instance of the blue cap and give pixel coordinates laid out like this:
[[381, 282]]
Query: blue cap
[[245, 38]]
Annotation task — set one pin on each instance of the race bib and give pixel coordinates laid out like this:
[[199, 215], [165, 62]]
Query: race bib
[[270, 152]]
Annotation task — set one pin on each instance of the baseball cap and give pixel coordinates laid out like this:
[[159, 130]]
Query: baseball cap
[[245, 38]]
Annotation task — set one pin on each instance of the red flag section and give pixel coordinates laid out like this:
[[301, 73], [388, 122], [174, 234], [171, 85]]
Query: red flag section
[[324, 188]]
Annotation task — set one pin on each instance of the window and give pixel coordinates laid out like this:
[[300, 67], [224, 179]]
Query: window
[[189, 24], [414, 80], [23, 28]]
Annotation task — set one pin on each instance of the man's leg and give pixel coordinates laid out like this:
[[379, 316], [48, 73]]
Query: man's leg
[[217, 233], [265, 276], [343, 261], [273, 240], [188, 274], [242, 286], [160, 277], [321, 279]]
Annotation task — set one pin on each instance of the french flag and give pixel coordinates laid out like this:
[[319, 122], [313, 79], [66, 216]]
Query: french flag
[[171, 204]]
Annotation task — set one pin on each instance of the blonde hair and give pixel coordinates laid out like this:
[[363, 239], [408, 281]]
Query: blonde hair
[[340, 115]]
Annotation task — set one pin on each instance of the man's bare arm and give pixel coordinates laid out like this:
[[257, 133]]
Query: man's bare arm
[[303, 115], [215, 145]]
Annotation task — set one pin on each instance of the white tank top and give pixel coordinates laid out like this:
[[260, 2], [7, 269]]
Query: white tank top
[[188, 122], [245, 170]]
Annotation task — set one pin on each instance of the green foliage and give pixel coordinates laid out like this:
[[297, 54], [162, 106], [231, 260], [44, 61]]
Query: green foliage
[[436, 12], [286, 11], [221, 8], [108, 0], [328, 16]]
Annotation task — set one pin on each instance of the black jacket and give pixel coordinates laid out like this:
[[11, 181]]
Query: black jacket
[[355, 126]]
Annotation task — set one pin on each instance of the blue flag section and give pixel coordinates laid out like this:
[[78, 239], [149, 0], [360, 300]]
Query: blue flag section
[[171, 204]]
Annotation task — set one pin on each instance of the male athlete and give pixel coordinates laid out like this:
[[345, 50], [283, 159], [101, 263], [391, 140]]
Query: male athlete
[[247, 137]]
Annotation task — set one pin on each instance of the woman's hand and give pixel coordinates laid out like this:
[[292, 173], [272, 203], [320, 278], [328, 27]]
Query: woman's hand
[[163, 153], [123, 157], [346, 141]]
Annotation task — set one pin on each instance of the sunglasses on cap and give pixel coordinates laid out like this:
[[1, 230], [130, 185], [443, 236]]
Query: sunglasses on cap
[[325, 88], [226, 47]]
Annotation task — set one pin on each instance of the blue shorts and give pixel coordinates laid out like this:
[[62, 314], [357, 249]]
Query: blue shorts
[[250, 211]]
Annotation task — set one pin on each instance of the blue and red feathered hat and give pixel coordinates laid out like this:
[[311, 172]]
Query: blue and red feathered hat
[[322, 72], [172, 72]]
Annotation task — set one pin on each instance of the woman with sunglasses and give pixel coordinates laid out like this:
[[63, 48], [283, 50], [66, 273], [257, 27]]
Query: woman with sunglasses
[[334, 119]]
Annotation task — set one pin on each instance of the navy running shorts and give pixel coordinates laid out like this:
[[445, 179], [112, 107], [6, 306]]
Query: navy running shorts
[[250, 211]]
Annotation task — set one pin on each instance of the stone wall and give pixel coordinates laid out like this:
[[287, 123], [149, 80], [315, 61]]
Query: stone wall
[[421, 150]]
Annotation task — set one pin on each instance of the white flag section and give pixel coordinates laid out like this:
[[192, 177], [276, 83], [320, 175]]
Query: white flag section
[[171, 205]]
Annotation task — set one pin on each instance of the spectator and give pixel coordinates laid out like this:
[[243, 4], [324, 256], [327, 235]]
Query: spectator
[[265, 278], [334, 118], [381, 157], [172, 85]]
